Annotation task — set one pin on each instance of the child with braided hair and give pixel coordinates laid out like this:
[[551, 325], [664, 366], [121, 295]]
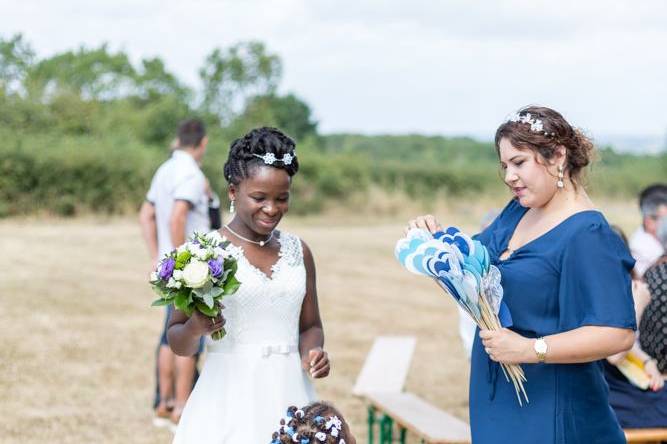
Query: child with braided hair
[[317, 423]]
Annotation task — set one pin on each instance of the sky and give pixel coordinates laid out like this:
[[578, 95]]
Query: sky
[[432, 67]]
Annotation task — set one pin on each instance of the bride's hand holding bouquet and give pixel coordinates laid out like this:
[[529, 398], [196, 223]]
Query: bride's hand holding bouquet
[[200, 324], [195, 278]]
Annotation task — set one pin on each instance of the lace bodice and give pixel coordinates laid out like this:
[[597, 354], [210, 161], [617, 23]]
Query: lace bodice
[[266, 310]]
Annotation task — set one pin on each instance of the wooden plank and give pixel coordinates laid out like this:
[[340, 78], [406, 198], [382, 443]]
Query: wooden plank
[[421, 418], [646, 435], [386, 365]]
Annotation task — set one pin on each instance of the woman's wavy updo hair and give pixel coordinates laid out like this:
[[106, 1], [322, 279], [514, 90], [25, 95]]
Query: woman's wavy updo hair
[[554, 132], [314, 424], [243, 153]]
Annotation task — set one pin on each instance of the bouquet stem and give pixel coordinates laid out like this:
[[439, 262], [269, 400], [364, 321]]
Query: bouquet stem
[[219, 334]]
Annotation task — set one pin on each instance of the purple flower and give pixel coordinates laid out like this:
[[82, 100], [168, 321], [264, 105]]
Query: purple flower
[[166, 268], [216, 268]]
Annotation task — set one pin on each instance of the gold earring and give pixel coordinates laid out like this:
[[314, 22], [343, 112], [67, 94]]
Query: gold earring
[[560, 184]]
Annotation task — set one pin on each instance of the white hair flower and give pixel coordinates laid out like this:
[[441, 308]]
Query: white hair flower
[[536, 125], [270, 158], [334, 422]]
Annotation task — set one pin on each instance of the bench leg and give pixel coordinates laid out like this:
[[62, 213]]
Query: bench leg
[[371, 424], [386, 429], [404, 432]]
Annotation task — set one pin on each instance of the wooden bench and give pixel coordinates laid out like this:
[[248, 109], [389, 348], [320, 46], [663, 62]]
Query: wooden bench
[[646, 436], [381, 382], [423, 420], [386, 366]]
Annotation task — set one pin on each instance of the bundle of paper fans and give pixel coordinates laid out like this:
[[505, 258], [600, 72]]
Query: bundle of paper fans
[[461, 266]]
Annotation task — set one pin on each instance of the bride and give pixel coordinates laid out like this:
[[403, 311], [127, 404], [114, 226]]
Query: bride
[[274, 334]]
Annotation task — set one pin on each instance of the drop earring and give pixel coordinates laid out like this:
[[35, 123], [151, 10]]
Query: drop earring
[[231, 207], [560, 184]]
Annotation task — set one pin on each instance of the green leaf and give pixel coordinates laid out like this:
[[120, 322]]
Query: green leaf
[[184, 291], [181, 302], [201, 291], [217, 291], [160, 302], [208, 311], [206, 288], [231, 285], [208, 300], [160, 291], [231, 264]]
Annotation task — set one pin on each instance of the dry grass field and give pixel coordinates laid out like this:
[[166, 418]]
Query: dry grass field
[[79, 335]]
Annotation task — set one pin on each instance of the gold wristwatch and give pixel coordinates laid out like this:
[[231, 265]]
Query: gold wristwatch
[[541, 348]]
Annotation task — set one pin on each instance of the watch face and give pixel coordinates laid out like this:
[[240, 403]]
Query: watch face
[[540, 346]]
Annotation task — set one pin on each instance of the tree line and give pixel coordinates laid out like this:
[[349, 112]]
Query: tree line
[[84, 129]]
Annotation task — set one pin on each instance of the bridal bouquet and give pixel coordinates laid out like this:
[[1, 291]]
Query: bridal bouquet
[[461, 267], [196, 276]]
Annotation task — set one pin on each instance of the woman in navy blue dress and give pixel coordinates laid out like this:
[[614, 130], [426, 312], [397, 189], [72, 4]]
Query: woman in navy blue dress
[[566, 281]]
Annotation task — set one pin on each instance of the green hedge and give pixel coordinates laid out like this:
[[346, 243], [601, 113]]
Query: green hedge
[[66, 175]]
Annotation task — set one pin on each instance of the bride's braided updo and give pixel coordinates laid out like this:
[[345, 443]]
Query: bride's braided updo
[[317, 423], [245, 153]]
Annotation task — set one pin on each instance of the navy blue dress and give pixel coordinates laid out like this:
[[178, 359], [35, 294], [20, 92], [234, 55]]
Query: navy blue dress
[[635, 408], [576, 274]]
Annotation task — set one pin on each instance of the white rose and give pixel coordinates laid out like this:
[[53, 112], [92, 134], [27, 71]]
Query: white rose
[[178, 275], [182, 248], [195, 274], [173, 283], [154, 276]]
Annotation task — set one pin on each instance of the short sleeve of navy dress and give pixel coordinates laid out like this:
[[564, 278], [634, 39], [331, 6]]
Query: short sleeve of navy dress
[[574, 275]]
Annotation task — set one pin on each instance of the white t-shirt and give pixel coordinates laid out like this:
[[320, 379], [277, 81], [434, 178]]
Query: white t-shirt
[[179, 178], [646, 249]]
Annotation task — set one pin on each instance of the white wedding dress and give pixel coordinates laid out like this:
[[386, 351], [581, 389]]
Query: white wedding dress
[[254, 373]]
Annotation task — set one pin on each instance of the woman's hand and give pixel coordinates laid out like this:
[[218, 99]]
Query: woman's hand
[[641, 296], [317, 363], [507, 347], [651, 369], [427, 222], [199, 324]]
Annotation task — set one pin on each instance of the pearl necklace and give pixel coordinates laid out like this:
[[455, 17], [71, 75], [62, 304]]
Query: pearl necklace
[[260, 243]]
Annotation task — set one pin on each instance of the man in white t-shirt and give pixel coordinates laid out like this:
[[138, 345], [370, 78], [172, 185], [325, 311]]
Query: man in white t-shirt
[[176, 205], [644, 243]]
